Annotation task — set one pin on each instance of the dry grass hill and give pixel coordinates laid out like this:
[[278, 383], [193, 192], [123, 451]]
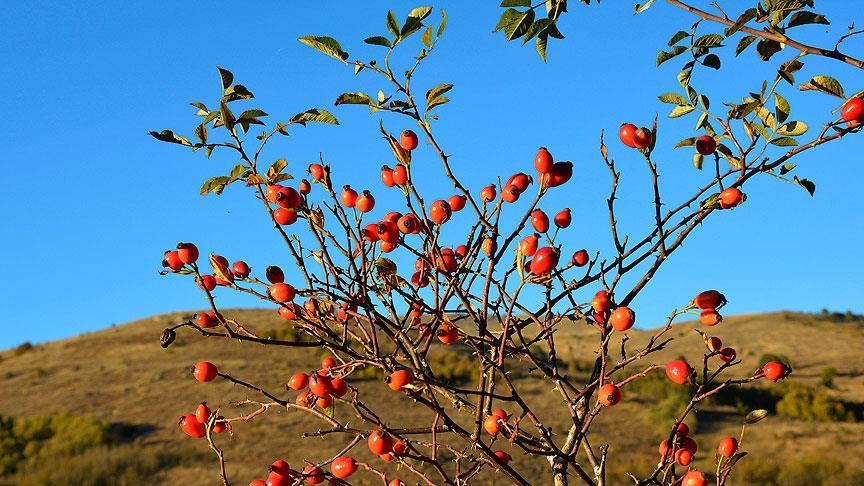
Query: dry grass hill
[[102, 408]]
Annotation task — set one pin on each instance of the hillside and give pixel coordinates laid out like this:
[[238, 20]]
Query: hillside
[[122, 376]]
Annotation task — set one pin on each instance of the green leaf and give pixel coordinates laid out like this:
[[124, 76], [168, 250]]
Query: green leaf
[[356, 98], [377, 41], [709, 41], [687, 142], [802, 18], [712, 61], [808, 185], [825, 84], [698, 160], [276, 169], [214, 184], [515, 23], [253, 113], [170, 137], [237, 92], [784, 142], [427, 37], [541, 42], [782, 107], [745, 17], [226, 77], [327, 45], [793, 129], [237, 172], [672, 98], [437, 102], [678, 37], [788, 68], [681, 110], [515, 3], [227, 117], [443, 23], [744, 43], [393, 24], [437, 91], [202, 109], [414, 21], [703, 119], [201, 133], [767, 48], [786, 168], [314, 115], [664, 56]]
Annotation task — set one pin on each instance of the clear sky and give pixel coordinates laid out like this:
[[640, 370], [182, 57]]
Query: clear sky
[[90, 201]]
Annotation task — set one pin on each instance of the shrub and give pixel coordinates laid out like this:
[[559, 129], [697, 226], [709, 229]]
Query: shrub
[[827, 377], [805, 403]]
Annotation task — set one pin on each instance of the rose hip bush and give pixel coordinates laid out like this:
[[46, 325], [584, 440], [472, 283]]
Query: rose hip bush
[[348, 296]]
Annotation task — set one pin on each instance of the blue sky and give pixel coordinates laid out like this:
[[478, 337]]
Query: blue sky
[[90, 201]]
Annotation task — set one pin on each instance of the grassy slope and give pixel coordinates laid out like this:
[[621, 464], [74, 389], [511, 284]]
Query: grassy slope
[[122, 375]]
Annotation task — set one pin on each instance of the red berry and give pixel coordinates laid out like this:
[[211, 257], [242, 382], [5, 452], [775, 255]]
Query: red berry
[[288, 312], [328, 363], [694, 478], [622, 319], [281, 292], [500, 413], [206, 282], [457, 203], [400, 175], [380, 442], [710, 299], [447, 334], [321, 386], [626, 132], [202, 413], [298, 381], [408, 140], [520, 180], [440, 212], [561, 173], [713, 344], [678, 371], [240, 269], [853, 110], [683, 457], [493, 424], [727, 355], [204, 371], [317, 172], [172, 261], [728, 447], [387, 232], [314, 475], [284, 216], [540, 221], [609, 394], [343, 467], [274, 274], [601, 301], [510, 193], [642, 138], [544, 261], [710, 317], [399, 379], [563, 218], [731, 198], [447, 262], [340, 388], [503, 457], [580, 258], [190, 425], [365, 202], [528, 246], [387, 176], [349, 197], [488, 193], [187, 253], [304, 187], [543, 161], [706, 145], [206, 319], [775, 371]]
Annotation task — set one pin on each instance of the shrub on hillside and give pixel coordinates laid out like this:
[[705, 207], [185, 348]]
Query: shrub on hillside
[[806, 403]]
